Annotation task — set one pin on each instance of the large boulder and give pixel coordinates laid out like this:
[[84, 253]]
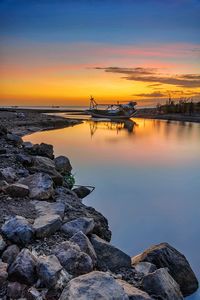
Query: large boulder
[[23, 269], [73, 259], [63, 165], [10, 254], [8, 174], [48, 270], [108, 256], [161, 285], [163, 255], [86, 225], [46, 225], [85, 245], [17, 190], [133, 292], [49, 208], [18, 230], [40, 186], [43, 149], [95, 285], [46, 165]]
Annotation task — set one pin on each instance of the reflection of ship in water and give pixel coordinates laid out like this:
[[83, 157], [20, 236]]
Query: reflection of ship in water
[[116, 125]]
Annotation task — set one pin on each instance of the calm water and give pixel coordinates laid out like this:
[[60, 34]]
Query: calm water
[[147, 179]]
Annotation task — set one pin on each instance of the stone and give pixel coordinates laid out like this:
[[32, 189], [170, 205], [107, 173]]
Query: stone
[[73, 259], [3, 273], [16, 290], [161, 285], [108, 256], [33, 294], [15, 139], [27, 145], [3, 130], [10, 254], [3, 185], [133, 292], [18, 230], [46, 225], [95, 285], [82, 191], [24, 159], [49, 208], [17, 190], [145, 268], [63, 165], [3, 151], [23, 269], [43, 149], [86, 225], [8, 174], [2, 244], [163, 255], [40, 186], [48, 270], [85, 245]]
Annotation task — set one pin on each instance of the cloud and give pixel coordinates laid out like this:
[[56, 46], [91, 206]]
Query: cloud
[[154, 94], [152, 75]]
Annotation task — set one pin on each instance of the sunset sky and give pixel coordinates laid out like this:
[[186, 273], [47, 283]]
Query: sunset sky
[[61, 52]]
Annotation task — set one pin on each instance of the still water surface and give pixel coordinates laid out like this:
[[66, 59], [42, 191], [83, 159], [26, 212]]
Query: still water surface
[[147, 179]]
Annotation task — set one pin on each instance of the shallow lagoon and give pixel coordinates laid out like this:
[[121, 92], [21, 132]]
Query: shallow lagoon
[[147, 179]]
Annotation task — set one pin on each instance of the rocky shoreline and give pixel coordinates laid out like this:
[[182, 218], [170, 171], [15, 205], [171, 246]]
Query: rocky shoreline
[[52, 246]]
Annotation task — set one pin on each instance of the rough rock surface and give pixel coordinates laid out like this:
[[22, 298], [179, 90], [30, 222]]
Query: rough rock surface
[[18, 230], [8, 174], [82, 191], [108, 256], [2, 244], [49, 208], [164, 255], [42, 149], [46, 225], [10, 254], [86, 225], [95, 285], [17, 190], [133, 292], [145, 268], [63, 165]]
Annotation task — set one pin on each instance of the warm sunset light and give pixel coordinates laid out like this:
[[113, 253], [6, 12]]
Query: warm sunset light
[[55, 52]]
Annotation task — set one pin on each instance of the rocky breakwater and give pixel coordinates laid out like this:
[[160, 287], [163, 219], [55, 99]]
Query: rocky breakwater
[[52, 246]]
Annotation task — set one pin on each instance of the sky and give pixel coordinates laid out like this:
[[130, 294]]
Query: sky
[[59, 52]]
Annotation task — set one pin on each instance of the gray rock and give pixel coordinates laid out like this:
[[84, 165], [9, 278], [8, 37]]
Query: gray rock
[[46, 225], [33, 294], [73, 259], [18, 230], [15, 139], [161, 285], [95, 285], [16, 290], [49, 208], [86, 225], [27, 145], [145, 268], [46, 165], [10, 254], [23, 269], [43, 149], [3, 130], [24, 159], [48, 270], [2, 244], [3, 185], [3, 273], [133, 292], [63, 165], [8, 174], [17, 190], [82, 191], [164, 255], [108, 256], [85, 245], [40, 186]]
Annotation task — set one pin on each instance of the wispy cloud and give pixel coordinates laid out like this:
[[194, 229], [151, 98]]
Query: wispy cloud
[[150, 95], [152, 75]]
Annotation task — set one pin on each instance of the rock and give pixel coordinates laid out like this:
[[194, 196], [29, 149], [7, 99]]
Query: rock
[[16, 290], [161, 285], [43, 149], [27, 146], [49, 208], [18, 230], [17, 190], [95, 285], [145, 268], [34, 294], [48, 270], [3, 130], [8, 174], [82, 191], [24, 159], [46, 165], [2, 244], [85, 245], [46, 225], [40, 186], [73, 259], [23, 269], [10, 254], [3, 273], [63, 165], [164, 255], [133, 292], [3, 151], [86, 225], [15, 139], [3, 185], [108, 256]]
